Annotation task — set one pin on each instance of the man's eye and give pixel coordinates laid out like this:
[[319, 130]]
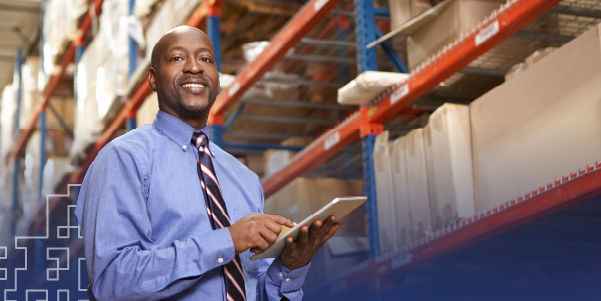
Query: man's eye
[[175, 58], [206, 59]]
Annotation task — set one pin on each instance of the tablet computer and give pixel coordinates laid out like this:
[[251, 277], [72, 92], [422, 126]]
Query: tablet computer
[[339, 207]]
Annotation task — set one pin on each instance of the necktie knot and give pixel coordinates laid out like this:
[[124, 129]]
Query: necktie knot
[[199, 139]]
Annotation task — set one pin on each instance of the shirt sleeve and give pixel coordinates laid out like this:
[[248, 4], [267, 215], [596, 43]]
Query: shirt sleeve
[[123, 263], [277, 281]]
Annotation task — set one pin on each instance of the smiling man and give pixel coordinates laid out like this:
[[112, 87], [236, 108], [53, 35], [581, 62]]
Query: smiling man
[[166, 214]]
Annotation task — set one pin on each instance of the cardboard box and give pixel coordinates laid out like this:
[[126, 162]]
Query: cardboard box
[[459, 16], [402, 11], [303, 196], [384, 193], [539, 126], [276, 159], [400, 192], [449, 164], [417, 181]]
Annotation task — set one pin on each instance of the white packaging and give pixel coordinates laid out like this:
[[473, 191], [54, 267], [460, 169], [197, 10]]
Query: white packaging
[[367, 86], [417, 181], [402, 210], [541, 125], [384, 193], [449, 164]]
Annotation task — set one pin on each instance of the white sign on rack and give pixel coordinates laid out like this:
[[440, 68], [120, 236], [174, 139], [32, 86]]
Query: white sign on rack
[[319, 4], [487, 33], [399, 93], [235, 87], [332, 140]]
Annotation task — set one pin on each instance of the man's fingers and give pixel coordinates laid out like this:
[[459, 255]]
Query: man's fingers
[[303, 236], [331, 232], [272, 226], [280, 220], [269, 236]]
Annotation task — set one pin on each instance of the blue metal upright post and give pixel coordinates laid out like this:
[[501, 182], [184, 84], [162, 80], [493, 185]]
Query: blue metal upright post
[[17, 167], [133, 46], [365, 27], [367, 144], [130, 122], [214, 32]]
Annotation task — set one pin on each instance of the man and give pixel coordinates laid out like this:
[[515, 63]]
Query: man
[[166, 215]]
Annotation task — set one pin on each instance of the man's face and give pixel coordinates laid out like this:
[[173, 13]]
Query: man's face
[[185, 74]]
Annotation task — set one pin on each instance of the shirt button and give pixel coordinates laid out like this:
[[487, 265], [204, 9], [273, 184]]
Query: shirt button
[[220, 260], [281, 275], [184, 146], [287, 279]]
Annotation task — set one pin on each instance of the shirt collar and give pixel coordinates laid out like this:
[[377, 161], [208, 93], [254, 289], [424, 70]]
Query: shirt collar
[[177, 130]]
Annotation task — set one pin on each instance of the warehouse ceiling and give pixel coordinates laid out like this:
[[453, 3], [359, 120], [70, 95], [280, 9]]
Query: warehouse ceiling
[[19, 28]]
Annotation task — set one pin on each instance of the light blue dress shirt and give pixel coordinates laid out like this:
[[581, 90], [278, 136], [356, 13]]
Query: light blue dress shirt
[[145, 225]]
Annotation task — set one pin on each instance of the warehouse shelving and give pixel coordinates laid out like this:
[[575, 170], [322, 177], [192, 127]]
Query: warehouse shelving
[[363, 125]]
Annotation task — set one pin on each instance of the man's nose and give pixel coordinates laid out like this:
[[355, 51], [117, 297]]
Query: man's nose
[[193, 66]]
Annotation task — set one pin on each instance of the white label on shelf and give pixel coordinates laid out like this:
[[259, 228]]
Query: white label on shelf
[[487, 32], [400, 260], [331, 141], [319, 4], [399, 93], [234, 88]]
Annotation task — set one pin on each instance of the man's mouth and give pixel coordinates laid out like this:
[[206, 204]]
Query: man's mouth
[[193, 86]]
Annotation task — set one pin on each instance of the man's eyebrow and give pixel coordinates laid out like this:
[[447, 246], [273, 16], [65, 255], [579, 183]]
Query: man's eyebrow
[[202, 49]]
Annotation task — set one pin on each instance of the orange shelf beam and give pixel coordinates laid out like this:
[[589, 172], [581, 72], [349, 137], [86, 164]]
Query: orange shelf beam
[[553, 197], [499, 26]]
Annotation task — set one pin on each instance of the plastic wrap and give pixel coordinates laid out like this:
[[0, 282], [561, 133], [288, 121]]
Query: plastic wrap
[[367, 86], [7, 121], [31, 90], [6, 201], [101, 75], [171, 14], [61, 19]]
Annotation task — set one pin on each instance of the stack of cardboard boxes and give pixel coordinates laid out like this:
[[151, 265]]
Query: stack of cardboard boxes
[[519, 136]]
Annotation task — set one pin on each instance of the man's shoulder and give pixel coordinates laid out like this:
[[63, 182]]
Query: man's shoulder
[[134, 142]]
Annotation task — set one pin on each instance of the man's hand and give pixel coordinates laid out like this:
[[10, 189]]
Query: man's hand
[[257, 232], [298, 253]]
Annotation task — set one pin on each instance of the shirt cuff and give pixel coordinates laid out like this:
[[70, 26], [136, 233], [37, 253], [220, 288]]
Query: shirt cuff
[[288, 281], [222, 245]]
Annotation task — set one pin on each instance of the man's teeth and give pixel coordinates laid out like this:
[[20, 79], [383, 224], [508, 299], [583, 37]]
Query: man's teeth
[[193, 85]]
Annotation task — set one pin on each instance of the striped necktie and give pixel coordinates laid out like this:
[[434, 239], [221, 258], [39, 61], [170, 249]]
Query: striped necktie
[[233, 275]]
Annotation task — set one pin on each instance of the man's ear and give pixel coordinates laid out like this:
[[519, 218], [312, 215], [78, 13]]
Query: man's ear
[[152, 78]]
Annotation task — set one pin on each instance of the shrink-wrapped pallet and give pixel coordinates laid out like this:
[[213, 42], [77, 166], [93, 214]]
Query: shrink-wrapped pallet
[[6, 204], [60, 25], [7, 121], [101, 76]]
